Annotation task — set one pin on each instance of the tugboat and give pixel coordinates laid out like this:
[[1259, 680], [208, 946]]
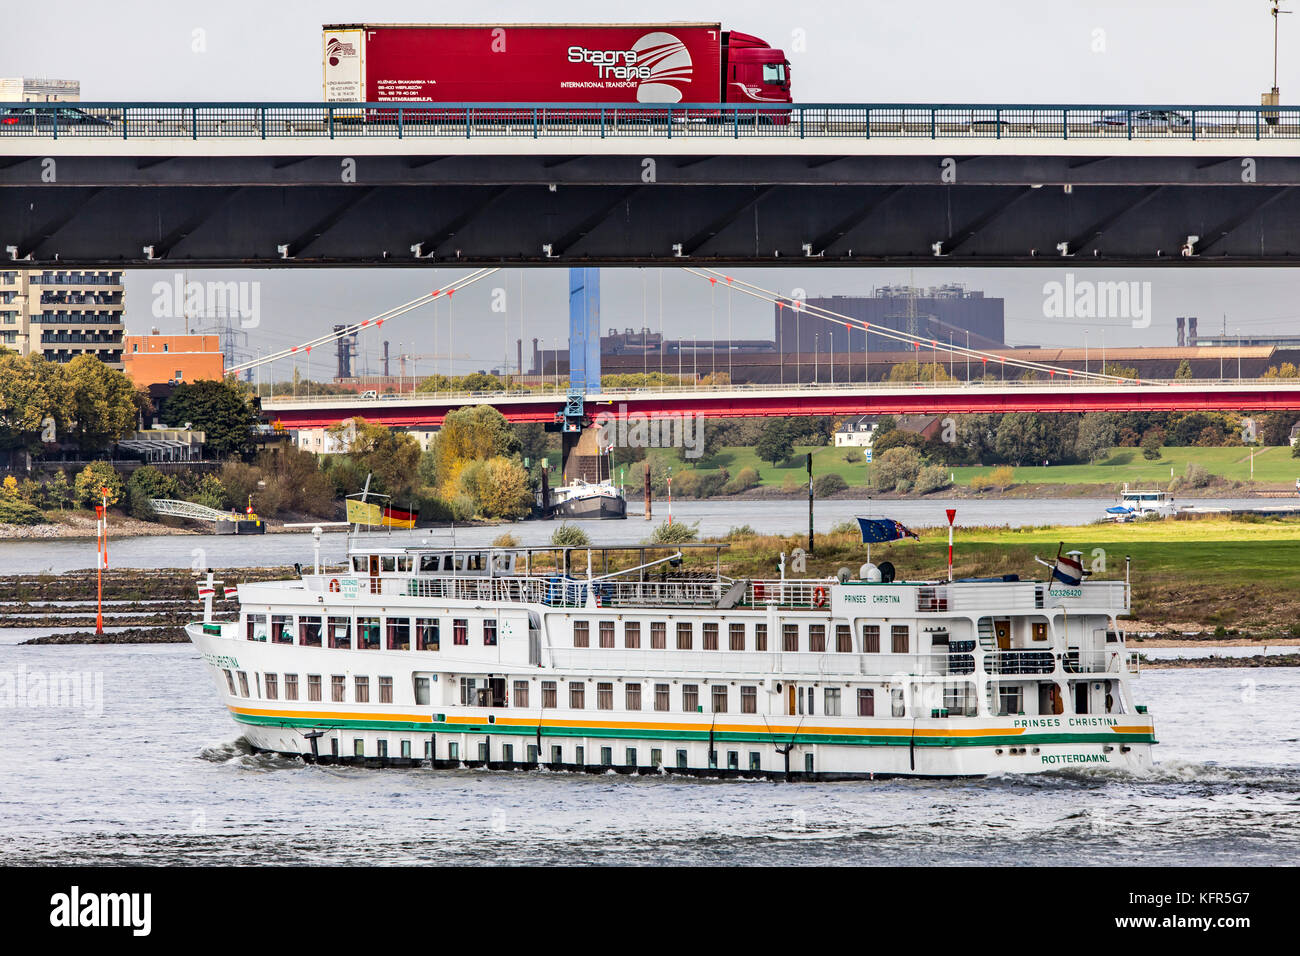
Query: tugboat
[[584, 499]]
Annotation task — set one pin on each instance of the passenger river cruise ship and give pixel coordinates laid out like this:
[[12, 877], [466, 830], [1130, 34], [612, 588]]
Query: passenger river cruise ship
[[650, 660]]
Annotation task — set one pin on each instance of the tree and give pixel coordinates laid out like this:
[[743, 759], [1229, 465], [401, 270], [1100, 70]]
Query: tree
[[775, 444], [221, 410], [146, 484], [92, 478], [897, 468], [1096, 435], [391, 457], [34, 395], [499, 487], [59, 490], [106, 404], [1184, 370], [474, 433], [919, 372], [1152, 442]]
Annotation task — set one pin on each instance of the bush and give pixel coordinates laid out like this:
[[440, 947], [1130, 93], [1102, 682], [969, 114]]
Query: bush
[[569, 536], [746, 531], [826, 485], [89, 481], [14, 511], [147, 483], [677, 533], [999, 478], [932, 478], [846, 527], [463, 508], [1195, 477], [742, 480], [506, 540], [897, 466]]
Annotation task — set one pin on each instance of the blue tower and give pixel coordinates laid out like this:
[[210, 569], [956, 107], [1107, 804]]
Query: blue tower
[[584, 330]]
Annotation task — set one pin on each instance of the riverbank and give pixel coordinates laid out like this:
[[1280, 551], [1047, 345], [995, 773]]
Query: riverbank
[[1258, 660]]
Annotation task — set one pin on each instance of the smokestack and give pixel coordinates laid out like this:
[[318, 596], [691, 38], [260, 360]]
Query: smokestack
[[536, 369], [1191, 330], [1181, 339], [385, 358], [519, 360]]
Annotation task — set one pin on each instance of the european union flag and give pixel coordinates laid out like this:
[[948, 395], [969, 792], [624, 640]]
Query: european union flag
[[875, 530]]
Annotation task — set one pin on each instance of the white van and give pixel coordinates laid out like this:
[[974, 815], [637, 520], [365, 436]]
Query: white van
[[370, 393]]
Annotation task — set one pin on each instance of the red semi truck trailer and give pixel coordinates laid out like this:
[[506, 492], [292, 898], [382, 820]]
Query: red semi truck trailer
[[528, 63]]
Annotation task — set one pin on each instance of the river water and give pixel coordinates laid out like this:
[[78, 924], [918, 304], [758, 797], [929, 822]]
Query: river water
[[715, 518], [159, 777]]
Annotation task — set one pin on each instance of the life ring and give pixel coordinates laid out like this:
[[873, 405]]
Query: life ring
[[819, 596], [334, 585]]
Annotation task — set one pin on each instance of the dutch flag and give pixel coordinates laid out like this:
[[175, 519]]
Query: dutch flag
[[1067, 570]]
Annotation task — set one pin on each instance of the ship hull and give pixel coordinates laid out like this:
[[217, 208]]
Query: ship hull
[[597, 506]]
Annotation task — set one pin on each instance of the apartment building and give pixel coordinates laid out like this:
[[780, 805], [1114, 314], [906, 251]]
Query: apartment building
[[62, 313]]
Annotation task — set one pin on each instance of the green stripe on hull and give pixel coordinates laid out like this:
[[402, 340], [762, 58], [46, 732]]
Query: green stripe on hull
[[720, 737]]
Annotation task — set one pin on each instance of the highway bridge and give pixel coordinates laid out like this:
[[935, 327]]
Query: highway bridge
[[172, 185], [427, 410]]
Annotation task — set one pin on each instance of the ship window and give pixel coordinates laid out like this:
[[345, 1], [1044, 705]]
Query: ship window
[[388, 563], [606, 633], [489, 632], [866, 702], [629, 756], [230, 681], [656, 757], [658, 635], [361, 686], [691, 698], [508, 753], [733, 759], [549, 695], [719, 698], [898, 706], [632, 634], [832, 700], [383, 748], [290, 686], [404, 563], [681, 759], [338, 688], [385, 690], [755, 760], [399, 633], [358, 747], [1040, 630], [428, 562], [577, 695], [633, 696], [313, 686], [426, 629], [898, 639], [1009, 701], [870, 638], [422, 690], [581, 636], [359, 563], [606, 756], [749, 700], [710, 635], [406, 749], [684, 636], [790, 637], [817, 638], [460, 630], [367, 633], [580, 755], [309, 631], [453, 751], [521, 693], [340, 632], [243, 684], [661, 697], [256, 629], [557, 754], [736, 636], [843, 639], [760, 636], [272, 687], [605, 696]]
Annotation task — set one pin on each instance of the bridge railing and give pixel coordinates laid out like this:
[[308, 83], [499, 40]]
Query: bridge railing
[[597, 402], [654, 121]]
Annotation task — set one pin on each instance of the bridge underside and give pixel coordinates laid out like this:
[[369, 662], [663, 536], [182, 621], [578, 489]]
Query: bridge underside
[[574, 210], [430, 413]]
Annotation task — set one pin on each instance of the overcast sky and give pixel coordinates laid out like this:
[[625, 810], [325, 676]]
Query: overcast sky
[[1148, 51]]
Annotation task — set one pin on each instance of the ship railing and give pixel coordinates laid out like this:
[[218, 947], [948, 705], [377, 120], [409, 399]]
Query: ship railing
[[788, 593], [684, 663], [551, 590]]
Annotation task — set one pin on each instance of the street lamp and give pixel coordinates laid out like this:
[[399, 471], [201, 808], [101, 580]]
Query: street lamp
[[1085, 351]]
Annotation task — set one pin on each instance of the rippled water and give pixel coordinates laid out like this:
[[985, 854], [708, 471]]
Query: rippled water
[[161, 778], [715, 518]]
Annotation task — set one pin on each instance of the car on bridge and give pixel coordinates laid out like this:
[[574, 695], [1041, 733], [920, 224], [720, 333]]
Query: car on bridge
[[48, 117], [1146, 119]]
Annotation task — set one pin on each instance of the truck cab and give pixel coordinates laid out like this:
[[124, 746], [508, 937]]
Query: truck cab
[[752, 71]]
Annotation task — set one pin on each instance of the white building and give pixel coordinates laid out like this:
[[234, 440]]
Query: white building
[[25, 89], [856, 432]]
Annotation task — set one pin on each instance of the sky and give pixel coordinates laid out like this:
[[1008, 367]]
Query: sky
[[899, 51]]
